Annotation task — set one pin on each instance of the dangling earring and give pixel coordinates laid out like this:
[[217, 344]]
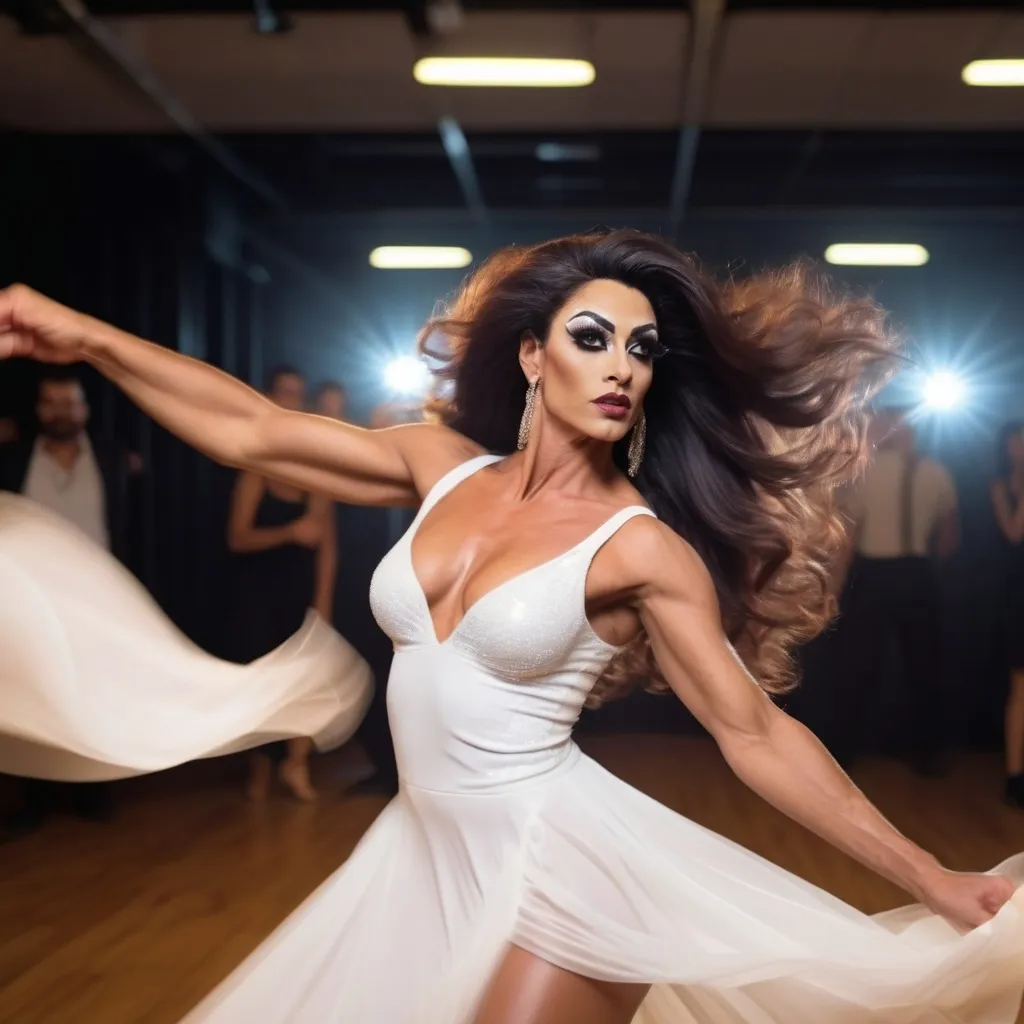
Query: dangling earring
[[527, 421], [637, 440]]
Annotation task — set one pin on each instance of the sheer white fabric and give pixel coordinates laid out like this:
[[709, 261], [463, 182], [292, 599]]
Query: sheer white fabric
[[97, 683], [503, 831]]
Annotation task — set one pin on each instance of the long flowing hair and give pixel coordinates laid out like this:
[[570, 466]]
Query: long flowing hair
[[755, 415]]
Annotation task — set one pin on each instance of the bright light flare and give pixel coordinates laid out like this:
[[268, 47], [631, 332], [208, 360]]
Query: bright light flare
[[407, 375], [944, 390], [514, 72]]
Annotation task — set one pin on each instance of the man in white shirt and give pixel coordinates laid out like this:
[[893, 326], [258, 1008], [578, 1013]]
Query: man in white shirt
[[903, 514], [87, 485]]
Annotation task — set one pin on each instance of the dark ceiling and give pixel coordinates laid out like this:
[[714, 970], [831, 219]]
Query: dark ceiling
[[30, 11], [825, 167]]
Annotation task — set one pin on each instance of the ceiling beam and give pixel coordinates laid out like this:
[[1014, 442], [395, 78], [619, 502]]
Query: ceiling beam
[[706, 18], [456, 147], [137, 72]]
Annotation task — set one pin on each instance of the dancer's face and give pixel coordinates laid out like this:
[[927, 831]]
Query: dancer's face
[[595, 365], [288, 390], [61, 409]]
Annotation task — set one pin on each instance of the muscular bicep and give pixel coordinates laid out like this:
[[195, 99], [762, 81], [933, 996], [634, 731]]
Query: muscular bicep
[[679, 611], [351, 464]]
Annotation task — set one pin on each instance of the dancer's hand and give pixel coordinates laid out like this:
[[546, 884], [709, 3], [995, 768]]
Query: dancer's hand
[[35, 326], [308, 530], [967, 900]]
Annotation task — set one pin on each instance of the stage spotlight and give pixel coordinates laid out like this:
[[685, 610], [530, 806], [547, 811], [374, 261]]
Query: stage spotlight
[[944, 390], [407, 375]]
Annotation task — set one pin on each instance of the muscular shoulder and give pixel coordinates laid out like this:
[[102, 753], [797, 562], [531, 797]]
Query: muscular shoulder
[[654, 561], [430, 450]]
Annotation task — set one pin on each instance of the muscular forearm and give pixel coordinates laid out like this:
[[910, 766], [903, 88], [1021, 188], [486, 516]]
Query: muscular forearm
[[205, 407], [790, 768]]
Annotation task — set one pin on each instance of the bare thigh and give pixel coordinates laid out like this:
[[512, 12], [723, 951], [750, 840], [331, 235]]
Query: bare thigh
[[528, 990]]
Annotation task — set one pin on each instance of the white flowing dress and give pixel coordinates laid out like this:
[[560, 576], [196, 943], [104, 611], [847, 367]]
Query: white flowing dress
[[96, 683], [504, 832]]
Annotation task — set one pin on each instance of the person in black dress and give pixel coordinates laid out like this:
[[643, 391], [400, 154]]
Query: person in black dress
[[1008, 504], [284, 543], [367, 533]]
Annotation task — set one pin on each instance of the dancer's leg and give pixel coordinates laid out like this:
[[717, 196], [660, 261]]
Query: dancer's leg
[[529, 990]]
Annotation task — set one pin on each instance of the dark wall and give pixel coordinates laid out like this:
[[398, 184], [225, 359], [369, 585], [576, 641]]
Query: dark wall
[[144, 234], [117, 230]]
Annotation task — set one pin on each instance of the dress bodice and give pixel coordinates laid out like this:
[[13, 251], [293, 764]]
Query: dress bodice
[[512, 677]]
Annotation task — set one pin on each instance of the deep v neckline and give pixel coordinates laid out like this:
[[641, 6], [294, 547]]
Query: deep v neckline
[[516, 577]]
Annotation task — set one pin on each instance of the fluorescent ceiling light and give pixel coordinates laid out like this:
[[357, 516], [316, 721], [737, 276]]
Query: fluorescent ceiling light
[[558, 152], [503, 71], [862, 254], [994, 72], [420, 257]]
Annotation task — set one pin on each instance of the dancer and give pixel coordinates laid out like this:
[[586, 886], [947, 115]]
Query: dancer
[[285, 562], [513, 880], [1008, 504]]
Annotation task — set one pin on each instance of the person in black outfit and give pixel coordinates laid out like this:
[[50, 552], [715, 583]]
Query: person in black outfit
[[903, 517], [285, 548], [1008, 505], [367, 534], [88, 481]]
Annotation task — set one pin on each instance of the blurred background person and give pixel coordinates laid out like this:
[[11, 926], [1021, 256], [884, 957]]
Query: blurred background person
[[286, 562], [331, 400], [364, 535], [87, 482], [1008, 504], [903, 515]]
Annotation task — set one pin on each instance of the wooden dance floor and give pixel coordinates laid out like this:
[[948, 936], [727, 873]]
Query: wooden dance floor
[[133, 921]]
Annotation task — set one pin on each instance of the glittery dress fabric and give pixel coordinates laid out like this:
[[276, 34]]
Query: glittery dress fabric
[[96, 683], [504, 832]]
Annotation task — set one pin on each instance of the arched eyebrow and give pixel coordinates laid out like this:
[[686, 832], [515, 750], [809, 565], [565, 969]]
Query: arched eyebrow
[[644, 329], [596, 317]]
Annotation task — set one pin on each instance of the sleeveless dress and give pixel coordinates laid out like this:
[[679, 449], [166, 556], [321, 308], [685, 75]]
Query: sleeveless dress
[[96, 683], [272, 590], [503, 831]]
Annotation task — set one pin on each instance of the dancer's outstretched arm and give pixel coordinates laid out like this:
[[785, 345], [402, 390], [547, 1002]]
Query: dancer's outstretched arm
[[776, 756], [228, 420]]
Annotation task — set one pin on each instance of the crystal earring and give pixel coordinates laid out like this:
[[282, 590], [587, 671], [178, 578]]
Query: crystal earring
[[527, 421], [637, 440]]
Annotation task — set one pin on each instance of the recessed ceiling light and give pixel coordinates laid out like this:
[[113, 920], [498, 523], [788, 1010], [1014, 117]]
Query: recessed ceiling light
[[420, 257], [876, 254], [503, 71], [560, 152], [994, 72]]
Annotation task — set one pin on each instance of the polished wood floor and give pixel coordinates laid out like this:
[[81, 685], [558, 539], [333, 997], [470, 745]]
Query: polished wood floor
[[132, 921]]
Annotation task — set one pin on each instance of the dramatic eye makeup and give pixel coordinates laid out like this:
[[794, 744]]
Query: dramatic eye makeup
[[592, 332]]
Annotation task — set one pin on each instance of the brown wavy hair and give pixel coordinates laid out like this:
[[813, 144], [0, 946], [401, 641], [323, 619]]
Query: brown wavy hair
[[755, 415]]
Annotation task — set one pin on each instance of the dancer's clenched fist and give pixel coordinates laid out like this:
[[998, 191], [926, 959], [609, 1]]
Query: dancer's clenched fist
[[37, 327]]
